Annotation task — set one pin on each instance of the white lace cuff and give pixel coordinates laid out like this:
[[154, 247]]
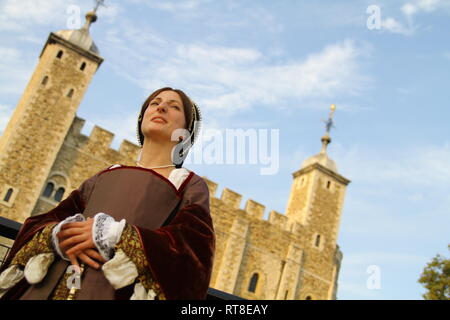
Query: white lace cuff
[[76, 218], [37, 267], [120, 270], [106, 233]]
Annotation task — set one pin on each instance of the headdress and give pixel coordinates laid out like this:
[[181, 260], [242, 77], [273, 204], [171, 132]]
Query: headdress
[[193, 129]]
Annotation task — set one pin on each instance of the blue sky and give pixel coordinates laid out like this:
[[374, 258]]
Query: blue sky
[[280, 65]]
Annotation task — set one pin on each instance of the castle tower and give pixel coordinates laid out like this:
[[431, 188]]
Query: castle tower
[[43, 116], [315, 202]]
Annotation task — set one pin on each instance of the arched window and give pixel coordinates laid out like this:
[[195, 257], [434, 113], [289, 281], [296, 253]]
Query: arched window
[[59, 194], [83, 65], [44, 81], [253, 283], [318, 240], [48, 190], [308, 298], [60, 54], [8, 195], [328, 184], [70, 93]]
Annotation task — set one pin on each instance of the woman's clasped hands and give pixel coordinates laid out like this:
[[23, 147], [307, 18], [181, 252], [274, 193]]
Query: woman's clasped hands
[[75, 241]]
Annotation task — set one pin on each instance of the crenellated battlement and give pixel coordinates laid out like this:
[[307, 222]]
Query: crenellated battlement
[[253, 209], [278, 219], [98, 143]]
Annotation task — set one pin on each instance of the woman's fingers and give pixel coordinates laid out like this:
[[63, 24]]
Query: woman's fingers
[[73, 225], [87, 244], [73, 261], [72, 241], [69, 232], [86, 259], [95, 255]]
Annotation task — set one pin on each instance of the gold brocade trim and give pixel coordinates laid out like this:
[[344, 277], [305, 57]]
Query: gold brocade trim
[[61, 291], [40, 243], [130, 244]]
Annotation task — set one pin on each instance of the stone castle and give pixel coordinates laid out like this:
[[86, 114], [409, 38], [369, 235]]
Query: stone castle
[[44, 156]]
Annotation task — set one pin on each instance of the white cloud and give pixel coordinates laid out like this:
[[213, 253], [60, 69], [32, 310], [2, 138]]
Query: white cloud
[[18, 15], [26, 15], [392, 25], [15, 70], [411, 9], [416, 6], [235, 78]]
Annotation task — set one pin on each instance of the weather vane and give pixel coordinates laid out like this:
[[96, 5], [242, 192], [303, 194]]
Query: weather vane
[[329, 123], [99, 3]]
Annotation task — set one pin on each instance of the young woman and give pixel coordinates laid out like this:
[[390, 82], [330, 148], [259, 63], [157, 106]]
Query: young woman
[[138, 232]]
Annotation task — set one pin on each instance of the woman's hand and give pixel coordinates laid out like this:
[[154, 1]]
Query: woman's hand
[[90, 257], [75, 240]]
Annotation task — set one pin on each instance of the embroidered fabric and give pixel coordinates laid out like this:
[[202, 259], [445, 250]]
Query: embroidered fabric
[[76, 218], [106, 233]]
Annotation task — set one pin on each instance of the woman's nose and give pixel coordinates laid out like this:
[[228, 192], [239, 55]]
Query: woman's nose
[[162, 107]]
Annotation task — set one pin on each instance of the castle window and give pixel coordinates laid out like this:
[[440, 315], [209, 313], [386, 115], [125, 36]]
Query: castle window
[[59, 194], [328, 184], [8, 195], [308, 298], [318, 240], [48, 190], [253, 282], [60, 54], [44, 81], [83, 65], [70, 93], [286, 294]]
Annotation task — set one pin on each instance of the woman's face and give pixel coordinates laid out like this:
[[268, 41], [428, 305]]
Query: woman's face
[[168, 107]]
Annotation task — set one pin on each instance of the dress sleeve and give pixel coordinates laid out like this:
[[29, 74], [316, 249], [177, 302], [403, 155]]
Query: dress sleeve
[[179, 256], [73, 204]]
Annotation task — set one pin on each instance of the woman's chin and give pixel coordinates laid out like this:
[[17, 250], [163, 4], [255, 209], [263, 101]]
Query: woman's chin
[[157, 135]]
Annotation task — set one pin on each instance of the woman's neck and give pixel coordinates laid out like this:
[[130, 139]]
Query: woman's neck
[[156, 154]]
